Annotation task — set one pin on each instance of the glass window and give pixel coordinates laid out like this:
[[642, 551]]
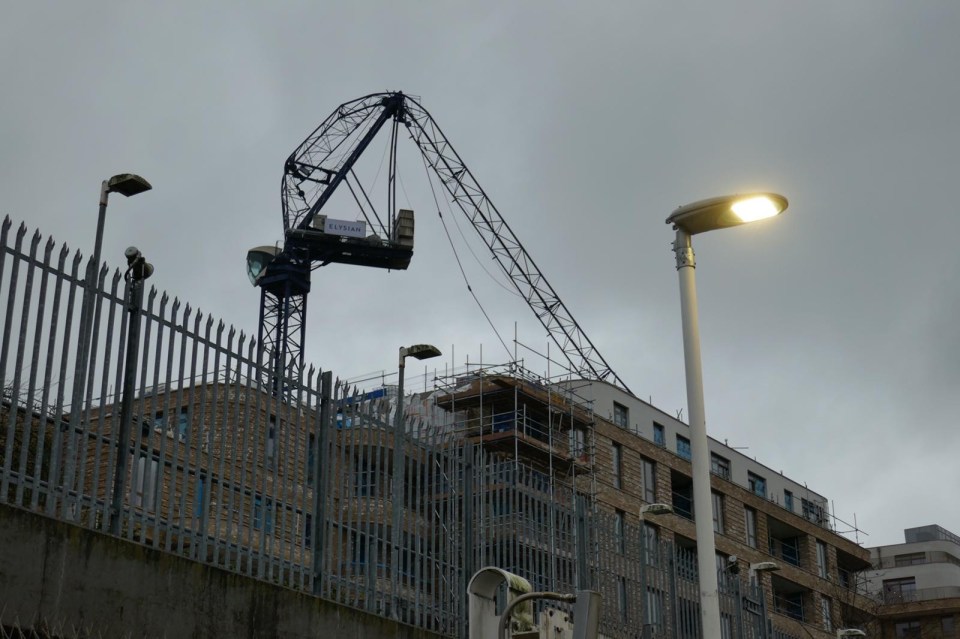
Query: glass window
[[271, 443], [812, 511], [622, 597], [308, 530], [616, 452], [902, 589], [621, 415], [757, 484], [910, 559], [659, 438], [750, 516], [146, 471], [822, 559], [907, 629], [719, 466], [717, 512], [826, 613], [649, 481], [311, 457], [198, 500], [652, 541], [618, 531], [948, 626], [788, 500], [683, 447]]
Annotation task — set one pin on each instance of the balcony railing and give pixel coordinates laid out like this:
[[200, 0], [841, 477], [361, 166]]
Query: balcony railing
[[922, 594], [785, 549]]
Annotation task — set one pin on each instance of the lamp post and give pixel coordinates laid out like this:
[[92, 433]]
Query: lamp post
[[126, 184], [419, 351], [699, 217], [648, 509], [138, 269]]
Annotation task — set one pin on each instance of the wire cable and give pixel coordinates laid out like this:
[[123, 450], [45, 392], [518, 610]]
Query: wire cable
[[460, 264]]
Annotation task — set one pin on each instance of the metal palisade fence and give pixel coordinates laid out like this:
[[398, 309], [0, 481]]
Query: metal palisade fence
[[300, 487]]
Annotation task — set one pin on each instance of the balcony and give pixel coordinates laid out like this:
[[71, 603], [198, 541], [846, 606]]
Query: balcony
[[895, 596]]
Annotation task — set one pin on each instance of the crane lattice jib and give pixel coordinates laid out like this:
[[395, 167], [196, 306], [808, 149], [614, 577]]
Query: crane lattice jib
[[326, 159], [510, 254]]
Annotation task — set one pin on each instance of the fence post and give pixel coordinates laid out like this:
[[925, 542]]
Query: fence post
[[126, 408], [467, 553], [319, 481], [581, 541]]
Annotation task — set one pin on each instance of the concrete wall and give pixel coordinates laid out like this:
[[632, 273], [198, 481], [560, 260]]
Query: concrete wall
[[67, 575]]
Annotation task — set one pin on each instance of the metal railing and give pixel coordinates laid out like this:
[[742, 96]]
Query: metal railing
[[297, 489]]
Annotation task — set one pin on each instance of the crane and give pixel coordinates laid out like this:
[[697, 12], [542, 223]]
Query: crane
[[324, 162]]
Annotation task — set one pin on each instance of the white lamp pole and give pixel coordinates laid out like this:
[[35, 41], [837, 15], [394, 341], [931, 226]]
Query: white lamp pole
[[706, 215]]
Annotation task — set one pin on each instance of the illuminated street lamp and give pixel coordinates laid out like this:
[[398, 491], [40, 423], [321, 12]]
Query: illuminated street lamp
[[700, 217]]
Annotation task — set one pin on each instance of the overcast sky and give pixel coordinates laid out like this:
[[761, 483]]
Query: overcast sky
[[830, 335]]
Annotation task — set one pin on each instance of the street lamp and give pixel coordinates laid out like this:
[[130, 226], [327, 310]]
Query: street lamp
[[419, 351], [850, 632], [655, 510], [699, 217], [126, 184]]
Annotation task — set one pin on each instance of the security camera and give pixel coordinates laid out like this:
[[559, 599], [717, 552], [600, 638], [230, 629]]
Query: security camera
[[733, 567], [132, 254], [258, 258]]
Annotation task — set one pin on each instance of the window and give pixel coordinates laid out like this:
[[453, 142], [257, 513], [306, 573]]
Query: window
[[621, 416], [177, 423], [616, 452], [654, 606], [721, 565], [198, 501], [618, 531], [896, 590], [822, 559], [826, 613], [789, 604], [757, 484], [812, 511], [271, 443], [262, 517], [308, 531], [719, 466], [622, 597], [788, 500], [750, 516], [311, 457], [717, 512], [683, 447], [146, 471], [948, 626], [911, 559], [651, 539], [659, 437], [365, 478], [907, 629], [649, 469]]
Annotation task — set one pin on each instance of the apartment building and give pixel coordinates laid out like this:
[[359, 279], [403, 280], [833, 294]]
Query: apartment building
[[760, 515], [919, 584]]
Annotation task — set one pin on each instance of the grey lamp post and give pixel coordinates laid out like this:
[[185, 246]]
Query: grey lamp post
[[126, 184], [419, 351], [699, 217]]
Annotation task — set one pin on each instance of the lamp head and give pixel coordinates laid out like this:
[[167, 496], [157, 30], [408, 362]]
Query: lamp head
[[765, 566], [420, 351], [258, 258], [724, 212], [127, 184], [656, 509], [850, 632]]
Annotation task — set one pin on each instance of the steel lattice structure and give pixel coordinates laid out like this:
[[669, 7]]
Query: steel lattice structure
[[325, 160]]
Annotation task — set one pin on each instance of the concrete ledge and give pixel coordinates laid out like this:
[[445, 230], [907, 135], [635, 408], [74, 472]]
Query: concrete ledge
[[56, 572]]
